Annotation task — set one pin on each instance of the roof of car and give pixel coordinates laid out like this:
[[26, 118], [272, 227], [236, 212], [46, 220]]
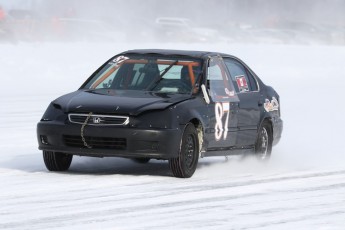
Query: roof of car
[[188, 53]]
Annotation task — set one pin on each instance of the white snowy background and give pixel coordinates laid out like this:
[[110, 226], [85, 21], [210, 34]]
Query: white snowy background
[[301, 187]]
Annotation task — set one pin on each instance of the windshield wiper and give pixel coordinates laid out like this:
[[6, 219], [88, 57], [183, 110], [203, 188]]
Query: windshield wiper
[[167, 69], [95, 91], [160, 77]]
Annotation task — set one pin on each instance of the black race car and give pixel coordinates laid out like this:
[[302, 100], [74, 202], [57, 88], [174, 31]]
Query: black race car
[[163, 104]]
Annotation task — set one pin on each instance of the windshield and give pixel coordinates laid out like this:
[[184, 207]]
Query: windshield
[[148, 73]]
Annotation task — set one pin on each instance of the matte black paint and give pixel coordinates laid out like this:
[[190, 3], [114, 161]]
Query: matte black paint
[[158, 120]]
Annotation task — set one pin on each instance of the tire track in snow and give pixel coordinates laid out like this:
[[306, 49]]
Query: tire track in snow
[[160, 202]]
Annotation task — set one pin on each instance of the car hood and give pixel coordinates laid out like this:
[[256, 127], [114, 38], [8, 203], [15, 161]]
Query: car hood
[[117, 102]]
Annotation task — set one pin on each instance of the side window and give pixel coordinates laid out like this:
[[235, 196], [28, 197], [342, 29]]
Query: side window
[[241, 78], [253, 82], [219, 82]]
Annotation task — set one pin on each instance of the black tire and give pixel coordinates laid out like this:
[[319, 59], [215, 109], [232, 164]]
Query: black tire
[[185, 164], [141, 160], [263, 145], [56, 161]]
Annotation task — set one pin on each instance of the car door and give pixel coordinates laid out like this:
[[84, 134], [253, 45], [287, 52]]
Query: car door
[[223, 120], [249, 105]]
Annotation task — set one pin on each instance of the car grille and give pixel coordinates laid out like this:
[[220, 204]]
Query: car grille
[[96, 142], [98, 119]]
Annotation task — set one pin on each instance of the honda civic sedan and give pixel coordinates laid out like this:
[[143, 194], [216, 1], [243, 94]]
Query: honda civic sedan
[[163, 104]]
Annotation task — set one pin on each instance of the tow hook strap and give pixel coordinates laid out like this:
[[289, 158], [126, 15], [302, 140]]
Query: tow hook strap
[[82, 131]]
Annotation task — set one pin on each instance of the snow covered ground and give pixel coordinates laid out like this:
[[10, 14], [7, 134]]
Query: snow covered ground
[[302, 187]]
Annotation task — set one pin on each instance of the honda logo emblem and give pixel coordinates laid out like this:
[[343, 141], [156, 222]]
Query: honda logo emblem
[[96, 120]]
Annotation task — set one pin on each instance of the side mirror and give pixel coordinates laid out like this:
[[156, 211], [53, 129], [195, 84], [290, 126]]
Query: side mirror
[[204, 92]]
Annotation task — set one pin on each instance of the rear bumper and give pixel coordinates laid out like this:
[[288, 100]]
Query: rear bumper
[[151, 143]]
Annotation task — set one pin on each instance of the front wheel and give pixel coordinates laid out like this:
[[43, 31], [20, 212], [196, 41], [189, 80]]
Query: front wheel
[[185, 164], [263, 146], [56, 161]]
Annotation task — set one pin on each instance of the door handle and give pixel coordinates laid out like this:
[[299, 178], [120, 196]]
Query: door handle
[[234, 107]]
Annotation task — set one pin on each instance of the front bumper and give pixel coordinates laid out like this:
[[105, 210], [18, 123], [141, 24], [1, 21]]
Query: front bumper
[[151, 143]]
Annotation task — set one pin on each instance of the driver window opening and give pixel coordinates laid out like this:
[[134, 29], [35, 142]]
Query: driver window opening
[[219, 83]]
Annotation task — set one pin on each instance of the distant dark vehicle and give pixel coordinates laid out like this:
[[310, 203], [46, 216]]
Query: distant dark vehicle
[[163, 104]]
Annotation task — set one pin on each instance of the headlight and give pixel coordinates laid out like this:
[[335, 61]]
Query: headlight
[[53, 112]]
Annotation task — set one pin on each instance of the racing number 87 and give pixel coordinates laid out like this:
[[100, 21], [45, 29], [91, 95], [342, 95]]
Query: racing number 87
[[222, 109]]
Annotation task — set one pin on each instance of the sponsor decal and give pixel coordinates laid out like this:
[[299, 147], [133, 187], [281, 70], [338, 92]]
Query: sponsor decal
[[272, 105], [222, 110], [242, 83], [229, 93], [119, 60]]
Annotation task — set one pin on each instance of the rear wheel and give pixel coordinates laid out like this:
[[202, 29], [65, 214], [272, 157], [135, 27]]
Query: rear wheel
[[185, 164], [263, 146], [56, 161]]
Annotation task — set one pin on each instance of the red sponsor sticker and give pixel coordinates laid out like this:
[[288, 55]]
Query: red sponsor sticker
[[242, 83]]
